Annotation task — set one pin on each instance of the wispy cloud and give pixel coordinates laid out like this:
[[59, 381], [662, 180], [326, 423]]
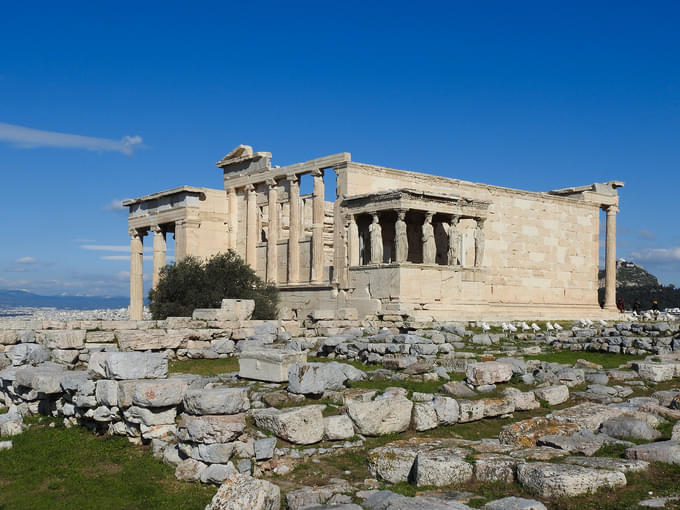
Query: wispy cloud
[[26, 264], [115, 205], [24, 137], [25, 260], [657, 255], [647, 235], [106, 247]]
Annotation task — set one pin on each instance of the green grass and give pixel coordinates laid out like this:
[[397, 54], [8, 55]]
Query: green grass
[[206, 367], [61, 469], [605, 359]]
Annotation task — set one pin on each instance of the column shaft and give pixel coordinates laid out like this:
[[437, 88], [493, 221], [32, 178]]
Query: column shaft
[[251, 231], [610, 259], [273, 234], [232, 218], [136, 275], [159, 250], [317, 227], [294, 230]]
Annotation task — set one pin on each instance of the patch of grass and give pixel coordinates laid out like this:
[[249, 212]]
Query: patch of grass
[[205, 367], [3, 410], [410, 386], [605, 359], [666, 429], [61, 469], [354, 363]]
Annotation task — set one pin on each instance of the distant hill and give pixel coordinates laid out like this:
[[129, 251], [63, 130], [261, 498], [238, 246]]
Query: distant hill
[[18, 298], [635, 283]]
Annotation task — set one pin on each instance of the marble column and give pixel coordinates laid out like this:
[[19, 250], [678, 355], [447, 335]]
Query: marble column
[[232, 218], [272, 233], [610, 259], [251, 228], [181, 250], [136, 275], [353, 241], [159, 250], [479, 243], [294, 229], [317, 227], [454, 245]]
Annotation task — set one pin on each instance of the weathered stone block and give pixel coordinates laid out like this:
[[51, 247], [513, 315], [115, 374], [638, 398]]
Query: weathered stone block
[[217, 401], [269, 365], [561, 480], [379, 417], [299, 425], [210, 429]]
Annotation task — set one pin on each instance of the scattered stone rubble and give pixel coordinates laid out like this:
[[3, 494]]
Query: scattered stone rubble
[[232, 429]]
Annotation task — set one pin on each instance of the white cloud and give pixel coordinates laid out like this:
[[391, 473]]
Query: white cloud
[[647, 235], [657, 255], [115, 205], [106, 247], [24, 137], [25, 260]]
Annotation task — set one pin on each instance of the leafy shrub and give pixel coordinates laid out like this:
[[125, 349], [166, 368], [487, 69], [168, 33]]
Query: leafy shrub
[[192, 283]]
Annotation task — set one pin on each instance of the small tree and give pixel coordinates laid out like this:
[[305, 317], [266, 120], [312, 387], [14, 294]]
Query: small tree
[[192, 283]]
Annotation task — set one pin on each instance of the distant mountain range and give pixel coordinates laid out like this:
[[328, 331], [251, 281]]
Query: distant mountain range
[[22, 298]]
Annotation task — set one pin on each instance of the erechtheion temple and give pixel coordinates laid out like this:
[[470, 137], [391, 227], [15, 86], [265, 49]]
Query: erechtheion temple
[[393, 242]]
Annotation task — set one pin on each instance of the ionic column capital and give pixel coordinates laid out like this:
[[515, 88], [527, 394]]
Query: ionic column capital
[[612, 209], [317, 172], [292, 178], [271, 183], [136, 233], [156, 229], [249, 188]]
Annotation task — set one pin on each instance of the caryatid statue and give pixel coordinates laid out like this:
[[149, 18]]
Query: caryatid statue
[[429, 246], [400, 238], [376, 240], [479, 242], [454, 242]]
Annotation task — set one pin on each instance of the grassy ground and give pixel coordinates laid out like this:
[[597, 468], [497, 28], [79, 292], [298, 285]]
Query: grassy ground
[[61, 469], [205, 367], [607, 360]]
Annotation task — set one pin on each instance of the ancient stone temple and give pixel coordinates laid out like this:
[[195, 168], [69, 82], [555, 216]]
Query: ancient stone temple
[[392, 243]]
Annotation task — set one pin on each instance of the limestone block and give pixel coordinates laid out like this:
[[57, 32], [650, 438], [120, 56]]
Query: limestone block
[[424, 416], [42, 379], [11, 424], [553, 395], [488, 372], [189, 470], [150, 417], [514, 503], [655, 372], [392, 464], [23, 354], [230, 310], [446, 409], [625, 427], [132, 365], [168, 431], [100, 337], [264, 448], [338, 427], [440, 468], [150, 339], [561, 480], [589, 415], [662, 451], [210, 429], [498, 406], [525, 433], [221, 400], [379, 417], [160, 393], [212, 453], [223, 346], [315, 378], [623, 465], [470, 410], [299, 425], [63, 339], [494, 468], [9, 337], [107, 392], [65, 356], [524, 401], [269, 365], [241, 491]]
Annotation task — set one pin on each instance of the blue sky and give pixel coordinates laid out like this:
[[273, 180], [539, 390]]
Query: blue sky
[[533, 95]]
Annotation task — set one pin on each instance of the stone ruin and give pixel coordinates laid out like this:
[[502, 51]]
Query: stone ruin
[[391, 242], [299, 397]]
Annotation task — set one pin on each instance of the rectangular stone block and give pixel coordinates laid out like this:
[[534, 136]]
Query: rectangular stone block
[[270, 365], [63, 339]]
